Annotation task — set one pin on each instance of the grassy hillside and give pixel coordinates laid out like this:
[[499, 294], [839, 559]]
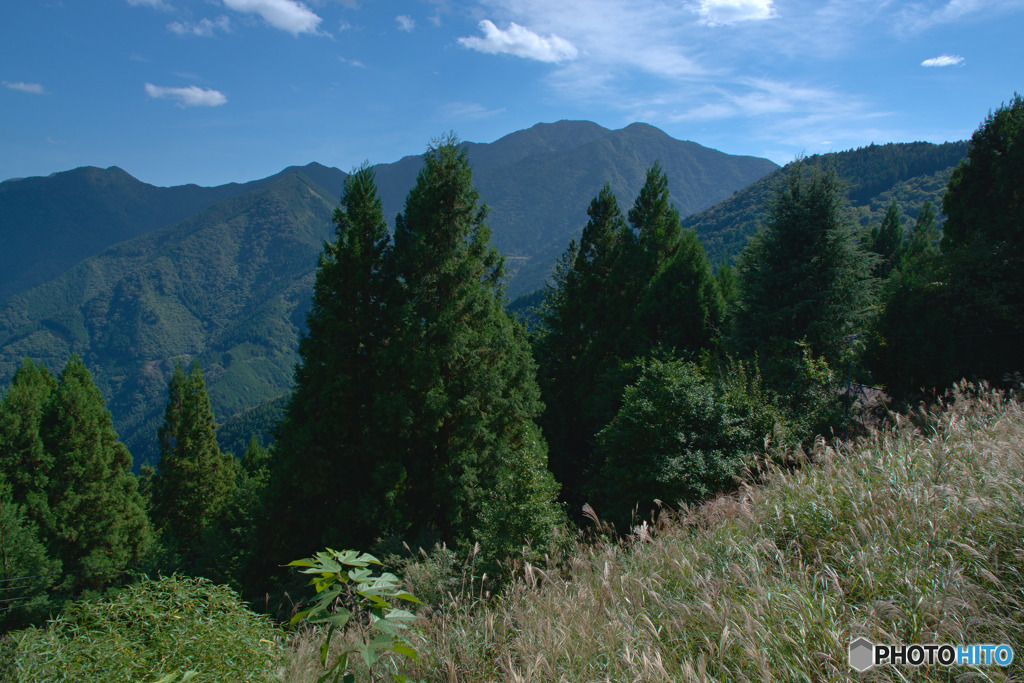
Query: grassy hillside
[[913, 535]]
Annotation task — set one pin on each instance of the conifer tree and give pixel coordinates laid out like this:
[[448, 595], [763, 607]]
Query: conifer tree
[[475, 461], [26, 570], [96, 522], [24, 458], [887, 242], [803, 276], [584, 312], [196, 481], [332, 474]]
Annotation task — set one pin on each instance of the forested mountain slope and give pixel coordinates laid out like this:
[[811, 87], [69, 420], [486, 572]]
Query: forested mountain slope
[[909, 173], [228, 286], [49, 224]]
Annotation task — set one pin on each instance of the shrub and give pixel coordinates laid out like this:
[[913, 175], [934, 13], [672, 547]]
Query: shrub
[[154, 629], [680, 436]]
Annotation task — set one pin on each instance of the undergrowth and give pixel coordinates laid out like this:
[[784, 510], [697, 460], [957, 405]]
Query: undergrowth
[[914, 534]]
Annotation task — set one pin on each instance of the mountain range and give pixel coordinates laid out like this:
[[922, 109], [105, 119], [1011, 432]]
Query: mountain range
[[134, 277]]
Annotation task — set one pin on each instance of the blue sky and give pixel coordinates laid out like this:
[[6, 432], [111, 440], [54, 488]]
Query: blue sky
[[214, 91]]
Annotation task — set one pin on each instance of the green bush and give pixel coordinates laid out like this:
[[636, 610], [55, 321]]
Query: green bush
[[681, 435], [154, 630]]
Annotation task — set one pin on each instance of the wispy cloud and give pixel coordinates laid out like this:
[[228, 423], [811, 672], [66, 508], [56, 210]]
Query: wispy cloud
[[156, 4], [31, 88], [204, 27], [944, 60], [919, 16], [352, 62], [467, 111], [192, 96], [521, 42], [287, 15], [724, 12], [405, 22]]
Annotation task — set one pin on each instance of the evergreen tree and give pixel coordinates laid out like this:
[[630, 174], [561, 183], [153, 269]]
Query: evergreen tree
[[583, 314], [803, 276], [96, 523], [983, 247], [682, 309], [623, 293], [26, 570], [475, 461], [195, 482], [887, 242], [332, 474], [24, 458], [923, 241], [412, 416]]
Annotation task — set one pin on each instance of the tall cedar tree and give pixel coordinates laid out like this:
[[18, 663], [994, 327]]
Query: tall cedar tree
[[65, 464], [413, 412], [887, 242], [983, 247], [960, 313], [333, 483], [803, 276], [196, 482], [583, 313], [24, 458], [624, 292], [474, 461]]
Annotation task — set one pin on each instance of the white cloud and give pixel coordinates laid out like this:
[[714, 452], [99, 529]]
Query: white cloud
[[287, 15], [32, 88], [156, 4], [724, 12], [520, 42], [468, 111], [204, 27], [944, 60], [405, 22], [352, 62], [192, 96]]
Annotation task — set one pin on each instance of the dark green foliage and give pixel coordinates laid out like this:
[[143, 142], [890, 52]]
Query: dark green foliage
[[959, 313], [25, 460], [680, 436], [259, 422], [414, 404], [683, 308], [475, 464], [196, 482], [877, 175], [886, 241], [331, 483], [26, 571], [65, 466], [583, 314], [151, 629], [97, 523], [623, 292], [803, 275], [983, 245]]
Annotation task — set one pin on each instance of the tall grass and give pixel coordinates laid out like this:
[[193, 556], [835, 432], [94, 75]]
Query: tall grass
[[913, 534]]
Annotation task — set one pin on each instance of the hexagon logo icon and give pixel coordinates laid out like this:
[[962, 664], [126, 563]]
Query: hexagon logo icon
[[861, 654]]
